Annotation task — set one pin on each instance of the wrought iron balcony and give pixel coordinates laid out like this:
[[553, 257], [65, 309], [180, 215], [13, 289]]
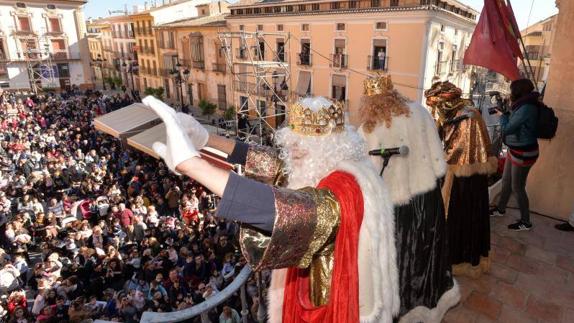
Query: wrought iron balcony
[[378, 63], [305, 59], [219, 67], [339, 60]]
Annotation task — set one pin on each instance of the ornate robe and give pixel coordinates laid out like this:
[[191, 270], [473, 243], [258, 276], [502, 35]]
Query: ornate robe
[[312, 228], [426, 284], [465, 191]]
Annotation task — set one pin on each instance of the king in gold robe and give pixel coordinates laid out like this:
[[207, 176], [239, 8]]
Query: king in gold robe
[[465, 190]]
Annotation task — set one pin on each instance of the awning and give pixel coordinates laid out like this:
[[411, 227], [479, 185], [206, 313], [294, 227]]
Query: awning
[[127, 121], [144, 140], [303, 82]]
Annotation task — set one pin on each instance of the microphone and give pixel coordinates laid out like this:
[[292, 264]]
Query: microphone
[[388, 152]]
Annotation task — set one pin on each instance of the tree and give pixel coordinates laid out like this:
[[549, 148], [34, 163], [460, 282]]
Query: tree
[[207, 108], [229, 113], [156, 92]]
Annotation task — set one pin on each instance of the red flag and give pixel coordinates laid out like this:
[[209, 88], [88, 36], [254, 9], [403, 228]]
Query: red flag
[[492, 45]]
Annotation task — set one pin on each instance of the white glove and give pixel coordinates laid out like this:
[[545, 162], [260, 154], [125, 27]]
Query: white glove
[[196, 132], [178, 147]]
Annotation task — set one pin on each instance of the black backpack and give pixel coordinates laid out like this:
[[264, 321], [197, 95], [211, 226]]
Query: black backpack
[[547, 122]]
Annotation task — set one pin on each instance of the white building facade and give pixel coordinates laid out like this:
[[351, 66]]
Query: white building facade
[[43, 45]]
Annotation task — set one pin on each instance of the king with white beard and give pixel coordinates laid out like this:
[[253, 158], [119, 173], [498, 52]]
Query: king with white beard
[[328, 234]]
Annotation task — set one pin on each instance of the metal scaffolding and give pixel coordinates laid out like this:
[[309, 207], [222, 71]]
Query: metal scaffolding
[[40, 66], [260, 82]]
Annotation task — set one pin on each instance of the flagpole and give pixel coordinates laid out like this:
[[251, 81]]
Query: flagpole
[[531, 77]]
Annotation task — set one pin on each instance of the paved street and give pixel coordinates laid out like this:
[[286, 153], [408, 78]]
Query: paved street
[[531, 278]]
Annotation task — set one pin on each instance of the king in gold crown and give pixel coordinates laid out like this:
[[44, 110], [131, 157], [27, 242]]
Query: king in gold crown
[[379, 84], [327, 119]]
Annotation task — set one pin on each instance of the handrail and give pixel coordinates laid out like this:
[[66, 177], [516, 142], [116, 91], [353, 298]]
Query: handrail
[[178, 316]]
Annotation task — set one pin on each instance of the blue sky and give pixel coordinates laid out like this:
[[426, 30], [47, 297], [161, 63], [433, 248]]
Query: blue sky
[[541, 9]]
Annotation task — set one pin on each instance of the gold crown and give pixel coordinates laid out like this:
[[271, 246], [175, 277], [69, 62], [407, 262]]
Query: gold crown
[[307, 122], [378, 84]]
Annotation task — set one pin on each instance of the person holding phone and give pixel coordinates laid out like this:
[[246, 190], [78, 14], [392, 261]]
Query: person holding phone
[[519, 131]]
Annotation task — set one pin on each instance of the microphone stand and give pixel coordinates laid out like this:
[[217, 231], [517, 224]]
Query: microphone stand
[[385, 164]]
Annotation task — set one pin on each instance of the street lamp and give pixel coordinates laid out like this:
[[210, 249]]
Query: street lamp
[[129, 69], [180, 77], [99, 62]]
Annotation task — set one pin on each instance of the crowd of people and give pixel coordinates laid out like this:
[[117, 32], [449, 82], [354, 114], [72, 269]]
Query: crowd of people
[[90, 229]]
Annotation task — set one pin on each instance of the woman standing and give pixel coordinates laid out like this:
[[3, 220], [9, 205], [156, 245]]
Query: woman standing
[[519, 132]]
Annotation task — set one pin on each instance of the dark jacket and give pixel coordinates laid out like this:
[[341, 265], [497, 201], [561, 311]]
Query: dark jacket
[[519, 128]]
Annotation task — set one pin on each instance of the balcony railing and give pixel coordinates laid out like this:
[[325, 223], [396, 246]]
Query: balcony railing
[[377, 63], [241, 53], [440, 68], [281, 56], [339, 60], [219, 67], [60, 56], [263, 90], [198, 65], [165, 72], [305, 59], [185, 62]]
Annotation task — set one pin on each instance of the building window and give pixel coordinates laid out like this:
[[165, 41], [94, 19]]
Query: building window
[[302, 7], [279, 27], [340, 26], [248, 11], [2, 50], [305, 27], [335, 5], [394, 3], [20, 5], [339, 87], [277, 9], [375, 3], [55, 25], [221, 97], [51, 6], [262, 107], [315, 7], [378, 61], [381, 25], [239, 11], [257, 10], [268, 9], [304, 84], [64, 70], [353, 4], [24, 24], [453, 59], [259, 27], [423, 2], [241, 27]]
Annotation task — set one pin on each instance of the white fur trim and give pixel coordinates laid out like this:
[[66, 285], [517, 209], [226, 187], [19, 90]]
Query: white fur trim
[[275, 295], [417, 172], [378, 283], [435, 315]]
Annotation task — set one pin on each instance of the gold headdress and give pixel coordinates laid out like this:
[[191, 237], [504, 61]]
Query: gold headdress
[[379, 84], [320, 121]]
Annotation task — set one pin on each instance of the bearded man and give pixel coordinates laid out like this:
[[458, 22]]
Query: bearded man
[[465, 190], [426, 287], [328, 234]]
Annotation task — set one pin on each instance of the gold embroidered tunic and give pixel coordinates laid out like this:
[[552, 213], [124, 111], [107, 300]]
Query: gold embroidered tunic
[[304, 231]]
